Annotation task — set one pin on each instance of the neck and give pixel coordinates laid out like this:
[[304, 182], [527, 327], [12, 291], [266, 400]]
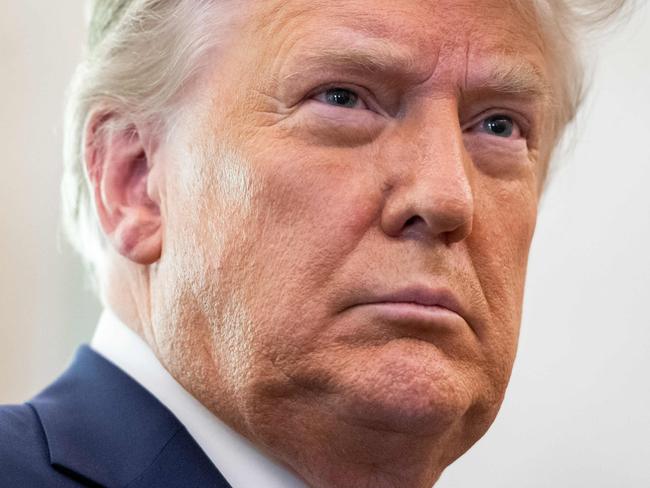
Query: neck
[[125, 290]]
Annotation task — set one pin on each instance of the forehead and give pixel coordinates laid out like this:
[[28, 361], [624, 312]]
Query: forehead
[[425, 27], [449, 42]]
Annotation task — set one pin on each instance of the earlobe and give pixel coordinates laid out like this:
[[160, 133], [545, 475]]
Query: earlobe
[[119, 167]]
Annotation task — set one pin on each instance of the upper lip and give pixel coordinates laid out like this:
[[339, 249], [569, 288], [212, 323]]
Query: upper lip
[[419, 295]]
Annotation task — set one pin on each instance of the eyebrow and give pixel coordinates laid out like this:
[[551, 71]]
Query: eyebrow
[[509, 75], [370, 56]]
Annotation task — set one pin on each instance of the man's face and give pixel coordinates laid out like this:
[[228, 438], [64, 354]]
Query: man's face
[[348, 211]]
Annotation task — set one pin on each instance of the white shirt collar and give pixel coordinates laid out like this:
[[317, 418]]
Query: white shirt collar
[[238, 460]]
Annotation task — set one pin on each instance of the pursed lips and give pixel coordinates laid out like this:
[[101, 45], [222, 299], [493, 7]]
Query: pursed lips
[[415, 303]]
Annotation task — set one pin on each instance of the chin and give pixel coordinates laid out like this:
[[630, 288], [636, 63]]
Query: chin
[[411, 388]]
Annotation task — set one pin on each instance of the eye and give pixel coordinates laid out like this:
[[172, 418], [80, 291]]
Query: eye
[[340, 97], [500, 126]]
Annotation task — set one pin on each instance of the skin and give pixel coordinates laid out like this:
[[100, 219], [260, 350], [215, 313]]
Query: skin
[[244, 249]]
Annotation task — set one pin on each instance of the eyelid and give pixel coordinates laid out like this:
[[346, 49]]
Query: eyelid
[[360, 99], [522, 122], [363, 95]]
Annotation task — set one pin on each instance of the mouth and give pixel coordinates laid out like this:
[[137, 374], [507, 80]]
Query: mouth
[[414, 304]]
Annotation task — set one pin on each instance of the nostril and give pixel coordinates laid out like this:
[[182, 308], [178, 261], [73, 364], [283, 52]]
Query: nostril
[[412, 221]]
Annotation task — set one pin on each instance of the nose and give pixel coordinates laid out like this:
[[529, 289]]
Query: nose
[[429, 193]]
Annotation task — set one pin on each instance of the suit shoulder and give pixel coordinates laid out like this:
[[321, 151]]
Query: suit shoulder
[[24, 458], [20, 430]]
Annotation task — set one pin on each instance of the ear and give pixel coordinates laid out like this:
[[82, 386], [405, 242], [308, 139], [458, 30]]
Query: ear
[[119, 168]]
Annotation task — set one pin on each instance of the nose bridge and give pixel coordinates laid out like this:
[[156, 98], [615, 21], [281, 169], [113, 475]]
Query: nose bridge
[[441, 164], [431, 191]]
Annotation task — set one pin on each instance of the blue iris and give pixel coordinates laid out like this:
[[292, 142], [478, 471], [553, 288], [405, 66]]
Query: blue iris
[[499, 125]]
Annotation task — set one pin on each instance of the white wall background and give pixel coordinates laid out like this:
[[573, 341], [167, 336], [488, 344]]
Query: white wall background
[[577, 412], [44, 309]]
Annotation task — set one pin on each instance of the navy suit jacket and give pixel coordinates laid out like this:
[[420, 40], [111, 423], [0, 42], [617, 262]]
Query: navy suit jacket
[[96, 426]]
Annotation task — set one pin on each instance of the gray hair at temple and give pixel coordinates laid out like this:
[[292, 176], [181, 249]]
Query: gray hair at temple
[[142, 54]]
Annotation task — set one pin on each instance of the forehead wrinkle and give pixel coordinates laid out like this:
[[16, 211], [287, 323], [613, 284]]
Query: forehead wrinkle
[[359, 52]]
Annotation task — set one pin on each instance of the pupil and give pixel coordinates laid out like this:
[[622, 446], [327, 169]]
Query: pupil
[[342, 97], [500, 126]]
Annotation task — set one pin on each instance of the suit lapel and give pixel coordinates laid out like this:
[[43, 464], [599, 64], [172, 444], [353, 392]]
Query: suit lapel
[[103, 427]]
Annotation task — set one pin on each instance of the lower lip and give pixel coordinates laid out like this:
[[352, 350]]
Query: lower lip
[[412, 312]]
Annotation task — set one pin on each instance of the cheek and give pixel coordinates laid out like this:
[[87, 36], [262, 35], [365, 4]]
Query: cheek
[[499, 244], [311, 214], [209, 189]]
